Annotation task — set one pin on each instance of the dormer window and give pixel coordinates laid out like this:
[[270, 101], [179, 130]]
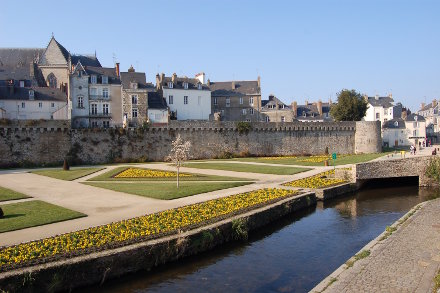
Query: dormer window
[[304, 114], [104, 79], [93, 79], [21, 83], [31, 94], [134, 85], [170, 84], [396, 123], [185, 85], [199, 86]]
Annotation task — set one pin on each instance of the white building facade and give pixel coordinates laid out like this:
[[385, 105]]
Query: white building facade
[[404, 132], [382, 109]]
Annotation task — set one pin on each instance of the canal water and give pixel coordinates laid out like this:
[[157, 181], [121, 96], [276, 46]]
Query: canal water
[[291, 255]]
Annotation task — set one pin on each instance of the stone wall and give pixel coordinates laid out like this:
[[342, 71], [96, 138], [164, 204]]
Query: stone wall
[[368, 137], [415, 166], [42, 146]]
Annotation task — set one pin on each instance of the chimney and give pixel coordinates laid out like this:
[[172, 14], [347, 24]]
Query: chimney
[[31, 70], [233, 85], [271, 96], [434, 103], [390, 95], [131, 69], [208, 82], [259, 82], [422, 105], [174, 78], [157, 81], [294, 109], [11, 86], [162, 78], [319, 106], [307, 103], [376, 97], [201, 77], [366, 98], [330, 101], [404, 114], [117, 69]]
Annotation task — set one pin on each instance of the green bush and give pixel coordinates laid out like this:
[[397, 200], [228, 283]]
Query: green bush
[[433, 169], [243, 127]]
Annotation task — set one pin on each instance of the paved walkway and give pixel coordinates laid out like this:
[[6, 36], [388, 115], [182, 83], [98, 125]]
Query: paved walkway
[[103, 206], [407, 261]]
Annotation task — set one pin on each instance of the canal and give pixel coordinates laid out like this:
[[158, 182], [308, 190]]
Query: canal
[[291, 255]]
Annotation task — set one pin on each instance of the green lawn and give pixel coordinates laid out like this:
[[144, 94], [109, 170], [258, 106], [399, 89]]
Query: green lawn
[[108, 176], [167, 190], [7, 194], [33, 213], [247, 168], [351, 159], [72, 174]]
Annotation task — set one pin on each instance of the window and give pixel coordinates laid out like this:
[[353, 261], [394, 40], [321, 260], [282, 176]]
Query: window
[[243, 111], [52, 105], [134, 99], [93, 79], [104, 79], [134, 113], [94, 123], [251, 101], [248, 120], [93, 91], [40, 105], [105, 109], [215, 101], [377, 115], [170, 84], [94, 109], [21, 83], [185, 85], [105, 93], [415, 125], [23, 105], [199, 100], [80, 102], [267, 119], [241, 100], [170, 100], [228, 102], [385, 111], [185, 100], [415, 133], [283, 119], [251, 111], [134, 85], [106, 124], [199, 86]]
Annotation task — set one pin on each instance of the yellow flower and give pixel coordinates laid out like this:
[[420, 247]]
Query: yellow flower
[[146, 173]]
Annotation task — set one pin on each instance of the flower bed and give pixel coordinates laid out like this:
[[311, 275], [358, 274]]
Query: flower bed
[[319, 159], [135, 230], [146, 173], [278, 158], [320, 180]]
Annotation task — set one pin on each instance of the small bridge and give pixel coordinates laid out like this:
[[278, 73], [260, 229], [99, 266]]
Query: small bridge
[[408, 167]]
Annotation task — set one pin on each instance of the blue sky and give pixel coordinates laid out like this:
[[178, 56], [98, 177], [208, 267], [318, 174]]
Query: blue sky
[[303, 50]]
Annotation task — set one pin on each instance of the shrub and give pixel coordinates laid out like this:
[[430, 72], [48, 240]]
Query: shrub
[[243, 127], [239, 229], [433, 169], [2, 215]]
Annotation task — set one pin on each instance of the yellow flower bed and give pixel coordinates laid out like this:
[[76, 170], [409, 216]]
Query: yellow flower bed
[[145, 173], [278, 158], [320, 180], [320, 159], [134, 230]]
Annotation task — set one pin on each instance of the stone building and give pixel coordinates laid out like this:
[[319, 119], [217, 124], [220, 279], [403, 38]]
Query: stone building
[[135, 97], [236, 100], [274, 110], [187, 98], [431, 114], [95, 97]]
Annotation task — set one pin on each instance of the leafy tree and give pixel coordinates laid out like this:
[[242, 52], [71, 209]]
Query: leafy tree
[[351, 106], [179, 153]]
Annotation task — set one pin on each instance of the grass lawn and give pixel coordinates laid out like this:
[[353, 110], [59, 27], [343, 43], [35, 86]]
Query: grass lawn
[[108, 176], [350, 159], [247, 168], [33, 213], [7, 194], [72, 174], [167, 190]]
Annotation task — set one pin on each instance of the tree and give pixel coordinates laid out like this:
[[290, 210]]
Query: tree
[[351, 106], [179, 153]]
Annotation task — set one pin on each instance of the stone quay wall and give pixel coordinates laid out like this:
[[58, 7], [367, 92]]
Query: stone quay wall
[[33, 145], [407, 167]]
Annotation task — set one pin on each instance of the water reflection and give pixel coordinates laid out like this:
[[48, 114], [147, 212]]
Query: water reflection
[[291, 255]]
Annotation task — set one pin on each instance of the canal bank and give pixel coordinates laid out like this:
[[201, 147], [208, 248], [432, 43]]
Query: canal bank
[[404, 258]]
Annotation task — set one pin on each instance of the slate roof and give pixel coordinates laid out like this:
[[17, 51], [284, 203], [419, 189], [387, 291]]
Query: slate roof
[[138, 77], [242, 88], [385, 102], [15, 62], [40, 94], [411, 117], [100, 71], [86, 60], [156, 101], [192, 83], [311, 110], [273, 101], [63, 50], [391, 124]]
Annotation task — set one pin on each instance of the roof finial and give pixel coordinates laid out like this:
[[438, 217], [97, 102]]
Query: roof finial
[[52, 35]]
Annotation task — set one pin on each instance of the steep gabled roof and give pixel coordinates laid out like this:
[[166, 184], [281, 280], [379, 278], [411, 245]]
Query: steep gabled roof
[[40, 94], [385, 102], [242, 88], [54, 45], [86, 60], [414, 117], [397, 123], [156, 101], [137, 77]]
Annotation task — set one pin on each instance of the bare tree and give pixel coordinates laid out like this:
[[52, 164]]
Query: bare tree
[[179, 153]]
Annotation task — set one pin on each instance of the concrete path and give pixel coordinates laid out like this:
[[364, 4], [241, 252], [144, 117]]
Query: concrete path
[[103, 206], [406, 261]]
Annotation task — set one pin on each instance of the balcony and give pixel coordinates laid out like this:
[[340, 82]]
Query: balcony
[[100, 115], [99, 98]]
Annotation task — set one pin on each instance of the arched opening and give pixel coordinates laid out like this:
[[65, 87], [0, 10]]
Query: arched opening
[[52, 80]]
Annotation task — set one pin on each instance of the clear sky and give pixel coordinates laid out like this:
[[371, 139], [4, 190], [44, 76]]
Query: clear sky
[[303, 50]]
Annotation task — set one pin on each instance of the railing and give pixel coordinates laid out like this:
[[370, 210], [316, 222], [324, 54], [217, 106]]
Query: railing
[[99, 97], [98, 115]]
